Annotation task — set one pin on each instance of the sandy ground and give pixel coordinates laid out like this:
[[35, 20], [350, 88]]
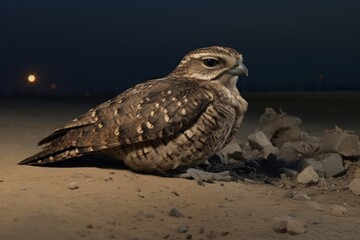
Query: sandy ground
[[115, 203]]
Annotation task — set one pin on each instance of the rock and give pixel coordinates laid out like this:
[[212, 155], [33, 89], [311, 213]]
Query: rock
[[258, 140], [297, 150], [354, 186], [267, 150], [308, 176], [279, 224], [317, 166], [332, 164], [175, 213], [295, 227], [231, 152], [337, 210], [289, 172], [73, 186], [183, 228], [288, 151], [287, 135], [279, 127], [341, 142]]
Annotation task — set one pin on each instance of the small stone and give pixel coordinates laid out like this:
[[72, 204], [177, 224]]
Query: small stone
[[337, 210], [295, 227], [333, 164], [258, 140], [289, 172], [175, 213], [201, 230], [74, 186], [317, 165], [354, 186], [188, 236], [183, 228], [308, 176], [341, 142], [279, 224]]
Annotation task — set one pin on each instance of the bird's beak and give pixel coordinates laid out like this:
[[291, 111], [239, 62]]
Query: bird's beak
[[239, 69]]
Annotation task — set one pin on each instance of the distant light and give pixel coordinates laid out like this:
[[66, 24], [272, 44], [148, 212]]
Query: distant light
[[53, 86], [321, 77], [31, 78]]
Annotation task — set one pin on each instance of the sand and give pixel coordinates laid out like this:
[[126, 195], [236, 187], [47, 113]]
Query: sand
[[111, 202]]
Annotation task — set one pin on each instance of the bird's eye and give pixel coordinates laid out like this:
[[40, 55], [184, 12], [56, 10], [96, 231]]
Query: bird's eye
[[210, 62]]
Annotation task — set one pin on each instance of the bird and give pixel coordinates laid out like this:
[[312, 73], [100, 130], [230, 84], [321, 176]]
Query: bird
[[160, 125]]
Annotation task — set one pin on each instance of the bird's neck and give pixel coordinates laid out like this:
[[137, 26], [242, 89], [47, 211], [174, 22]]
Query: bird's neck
[[229, 81]]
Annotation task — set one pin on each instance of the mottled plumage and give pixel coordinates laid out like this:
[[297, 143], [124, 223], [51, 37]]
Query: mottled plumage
[[174, 122]]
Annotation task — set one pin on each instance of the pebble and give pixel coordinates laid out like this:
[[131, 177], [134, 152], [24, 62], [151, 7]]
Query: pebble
[[183, 228], [74, 186], [175, 213], [279, 224], [295, 227], [354, 186], [308, 176], [337, 210], [287, 224]]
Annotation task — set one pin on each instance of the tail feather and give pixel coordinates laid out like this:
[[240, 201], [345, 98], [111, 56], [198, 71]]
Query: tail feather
[[48, 156]]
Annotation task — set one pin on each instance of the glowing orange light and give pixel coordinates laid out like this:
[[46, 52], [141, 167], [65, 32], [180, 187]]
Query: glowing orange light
[[31, 78]]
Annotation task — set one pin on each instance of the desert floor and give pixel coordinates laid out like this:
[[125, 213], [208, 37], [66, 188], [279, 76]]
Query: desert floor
[[114, 203]]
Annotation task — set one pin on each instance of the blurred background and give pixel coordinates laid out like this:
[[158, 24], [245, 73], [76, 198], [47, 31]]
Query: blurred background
[[101, 48]]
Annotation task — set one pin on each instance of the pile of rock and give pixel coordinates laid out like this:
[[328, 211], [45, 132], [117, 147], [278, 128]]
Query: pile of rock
[[295, 153]]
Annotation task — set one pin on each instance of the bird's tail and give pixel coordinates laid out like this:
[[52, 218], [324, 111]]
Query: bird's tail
[[49, 156]]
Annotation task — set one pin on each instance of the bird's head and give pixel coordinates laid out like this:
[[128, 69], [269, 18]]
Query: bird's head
[[211, 64]]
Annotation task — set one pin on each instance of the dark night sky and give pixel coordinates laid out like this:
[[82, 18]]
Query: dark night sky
[[107, 46]]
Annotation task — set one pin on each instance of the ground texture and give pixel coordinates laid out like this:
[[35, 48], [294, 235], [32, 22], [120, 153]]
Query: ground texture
[[108, 201]]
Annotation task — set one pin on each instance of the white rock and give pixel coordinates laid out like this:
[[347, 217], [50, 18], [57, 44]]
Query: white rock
[[73, 186], [308, 176], [354, 186]]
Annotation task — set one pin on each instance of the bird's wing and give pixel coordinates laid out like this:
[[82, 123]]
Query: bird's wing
[[150, 110]]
